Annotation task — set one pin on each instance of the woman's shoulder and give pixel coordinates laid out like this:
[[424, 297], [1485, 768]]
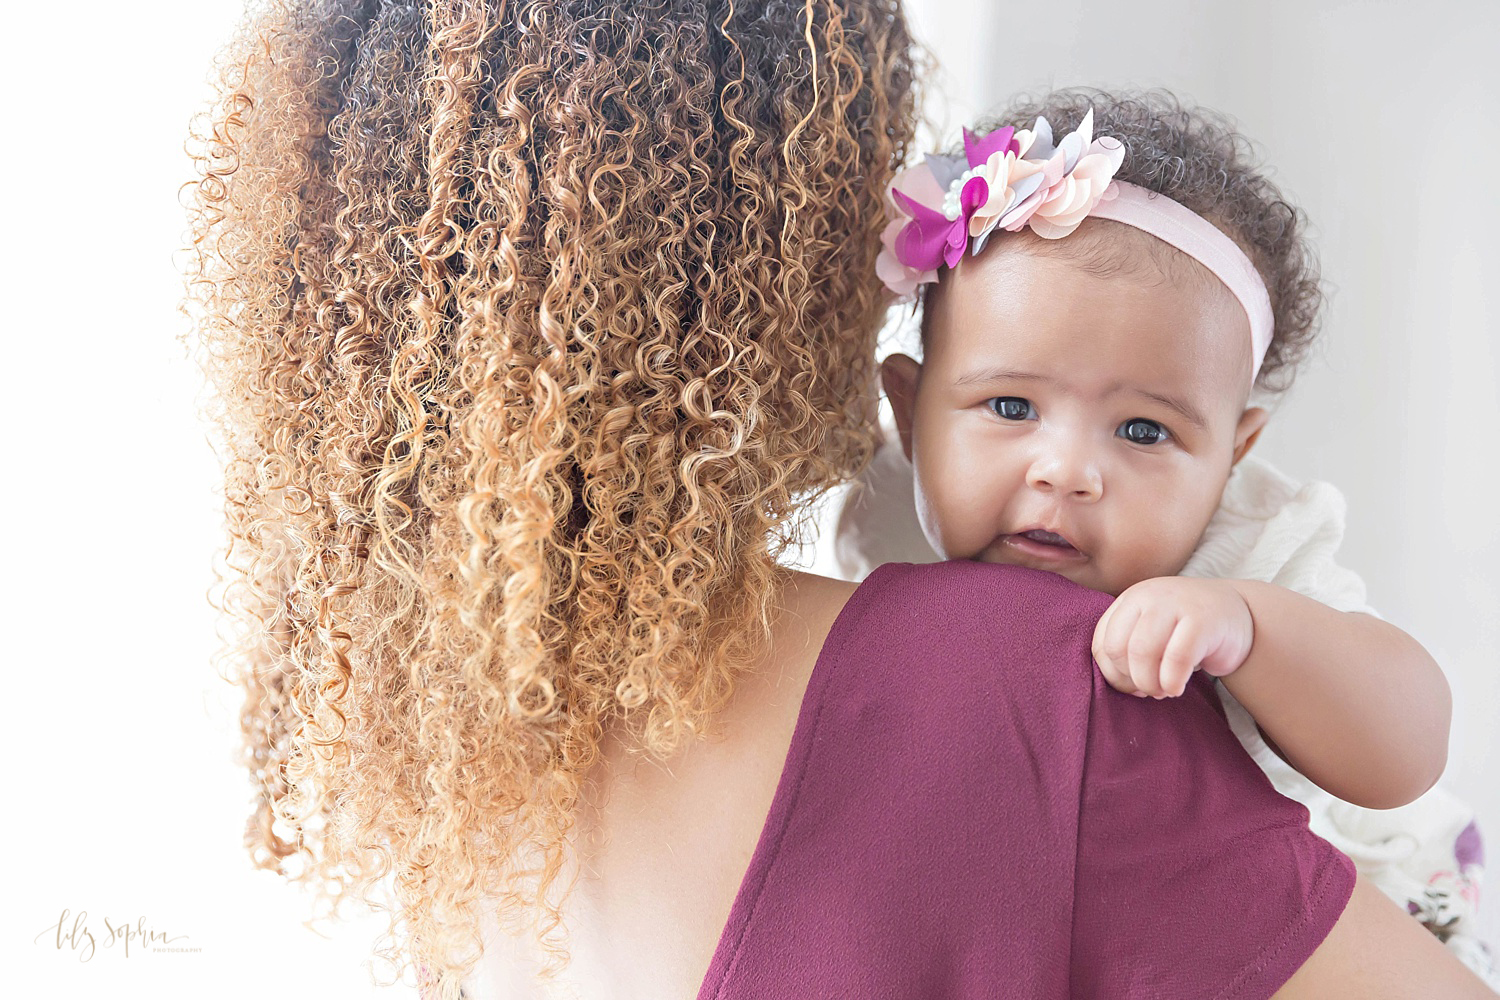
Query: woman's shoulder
[[959, 645], [974, 605], [938, 752], [958, 609]]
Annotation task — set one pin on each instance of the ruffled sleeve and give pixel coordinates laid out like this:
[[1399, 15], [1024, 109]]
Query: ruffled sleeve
[[1270, 528]]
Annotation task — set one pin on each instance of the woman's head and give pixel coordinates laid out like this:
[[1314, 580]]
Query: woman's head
[[532, 327], [1095, 385]]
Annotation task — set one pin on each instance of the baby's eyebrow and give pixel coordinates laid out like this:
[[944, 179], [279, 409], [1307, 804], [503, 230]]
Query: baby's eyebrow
[[985, 375], [1189, 414]]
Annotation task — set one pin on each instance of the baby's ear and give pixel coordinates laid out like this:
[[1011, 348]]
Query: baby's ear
[[899, 374], [1252, 421]]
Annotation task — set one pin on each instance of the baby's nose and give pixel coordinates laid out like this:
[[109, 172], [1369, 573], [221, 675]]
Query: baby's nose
[[1080, 480]]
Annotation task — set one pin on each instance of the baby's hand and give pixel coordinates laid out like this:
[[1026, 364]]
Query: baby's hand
[[1159, 631]]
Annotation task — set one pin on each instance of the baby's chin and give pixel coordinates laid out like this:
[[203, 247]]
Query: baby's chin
[[1084, 572]]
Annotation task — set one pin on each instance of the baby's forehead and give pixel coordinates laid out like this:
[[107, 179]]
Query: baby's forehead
[[1099, 250], [1110, 308]]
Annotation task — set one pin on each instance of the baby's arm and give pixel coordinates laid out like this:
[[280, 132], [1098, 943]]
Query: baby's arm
[[1352, 702]]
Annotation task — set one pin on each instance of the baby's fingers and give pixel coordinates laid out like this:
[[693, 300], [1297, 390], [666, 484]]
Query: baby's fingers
[[1148, 642], [1112, 642], [1183, 653]]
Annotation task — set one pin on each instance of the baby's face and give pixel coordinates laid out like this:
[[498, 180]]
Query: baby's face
[[1107, 410]]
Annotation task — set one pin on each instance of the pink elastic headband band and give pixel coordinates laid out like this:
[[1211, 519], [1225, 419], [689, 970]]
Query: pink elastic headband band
[[1176, 224]]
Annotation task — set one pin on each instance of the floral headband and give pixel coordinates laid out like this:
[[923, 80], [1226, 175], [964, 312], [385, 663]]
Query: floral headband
[[1009, 179]]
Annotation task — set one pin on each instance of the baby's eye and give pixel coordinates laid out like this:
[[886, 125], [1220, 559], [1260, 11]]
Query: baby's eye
[[1142, 431], [1011, 407]]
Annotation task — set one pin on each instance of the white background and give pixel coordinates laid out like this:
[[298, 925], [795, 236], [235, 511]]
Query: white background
[[125, 803]]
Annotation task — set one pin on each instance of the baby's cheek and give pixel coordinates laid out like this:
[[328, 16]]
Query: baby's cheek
[[1154, 554], [935, 513], [1115, 560], [949, 514]]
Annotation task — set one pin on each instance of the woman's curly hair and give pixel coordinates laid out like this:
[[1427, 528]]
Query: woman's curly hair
[[531, 329], [1196, 156]]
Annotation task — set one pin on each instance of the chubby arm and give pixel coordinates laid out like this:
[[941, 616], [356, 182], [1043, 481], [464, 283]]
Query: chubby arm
[[1352, 702]]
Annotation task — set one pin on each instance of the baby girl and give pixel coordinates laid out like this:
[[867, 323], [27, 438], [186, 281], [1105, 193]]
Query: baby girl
[[1096, 314]]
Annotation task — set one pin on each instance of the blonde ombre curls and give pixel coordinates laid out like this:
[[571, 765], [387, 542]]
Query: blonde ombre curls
[[531, 328]]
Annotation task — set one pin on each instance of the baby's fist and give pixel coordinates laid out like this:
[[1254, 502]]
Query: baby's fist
[[1159, 631]]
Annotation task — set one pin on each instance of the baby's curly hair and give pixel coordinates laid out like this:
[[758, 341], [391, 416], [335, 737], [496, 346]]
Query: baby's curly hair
[[532, 329], [1196, 156]]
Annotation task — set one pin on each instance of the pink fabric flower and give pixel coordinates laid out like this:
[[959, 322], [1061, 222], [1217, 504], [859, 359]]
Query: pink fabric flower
[[1002, 172], [1013, 179], [930, 238], [1069, 201]]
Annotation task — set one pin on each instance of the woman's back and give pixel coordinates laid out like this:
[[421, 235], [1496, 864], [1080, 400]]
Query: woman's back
[[668, 844]]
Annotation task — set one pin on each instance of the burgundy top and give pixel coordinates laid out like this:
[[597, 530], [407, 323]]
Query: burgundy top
[[968, 810]]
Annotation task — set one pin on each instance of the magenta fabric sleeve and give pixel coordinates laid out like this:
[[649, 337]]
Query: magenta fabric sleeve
[[966, 810]]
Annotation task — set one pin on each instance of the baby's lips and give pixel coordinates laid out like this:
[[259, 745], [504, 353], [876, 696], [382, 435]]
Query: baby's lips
[[1050, 540]]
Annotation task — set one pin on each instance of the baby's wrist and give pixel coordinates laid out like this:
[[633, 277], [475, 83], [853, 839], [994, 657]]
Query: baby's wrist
[[1239, 617]]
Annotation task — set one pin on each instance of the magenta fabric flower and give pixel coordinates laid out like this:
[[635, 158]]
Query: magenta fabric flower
[[934, 203], [898, 277]]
